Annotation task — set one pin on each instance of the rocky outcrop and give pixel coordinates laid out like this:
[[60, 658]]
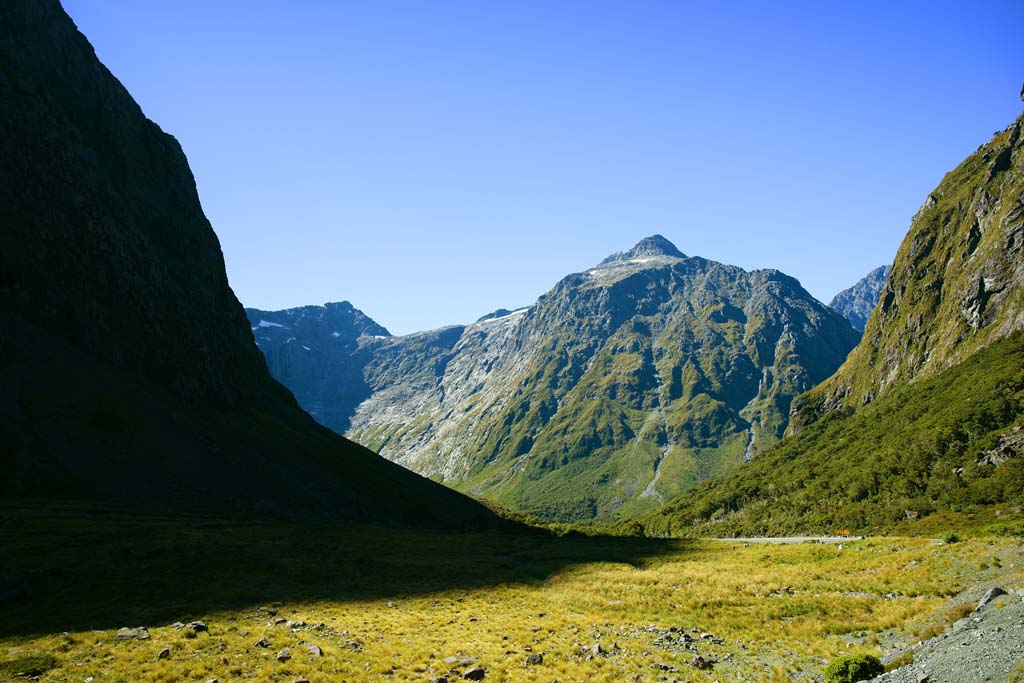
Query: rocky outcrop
[[856, 303], [128, 372], [957, 283]]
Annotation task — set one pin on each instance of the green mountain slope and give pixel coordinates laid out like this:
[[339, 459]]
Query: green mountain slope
[[128, 372], [926, 412], [619, 388], [957, 283], [946, 442]]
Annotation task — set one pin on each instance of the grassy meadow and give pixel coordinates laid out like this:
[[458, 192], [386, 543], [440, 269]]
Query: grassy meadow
[[394, 605]]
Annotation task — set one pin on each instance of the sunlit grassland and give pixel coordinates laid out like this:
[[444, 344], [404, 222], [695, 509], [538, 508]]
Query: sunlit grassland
[[391, 605]]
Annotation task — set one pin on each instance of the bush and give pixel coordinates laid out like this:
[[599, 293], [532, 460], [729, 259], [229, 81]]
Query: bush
[[850, 668], [951, 538]]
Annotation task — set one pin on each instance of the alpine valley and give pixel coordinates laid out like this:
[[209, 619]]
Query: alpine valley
[[620, 388], [170, 512]]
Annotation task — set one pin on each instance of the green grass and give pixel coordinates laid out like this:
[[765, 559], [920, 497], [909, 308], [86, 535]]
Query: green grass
[[387, 604]]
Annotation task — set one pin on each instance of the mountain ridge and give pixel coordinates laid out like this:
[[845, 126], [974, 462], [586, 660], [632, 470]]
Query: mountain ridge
[[605, 375], [129, 373], [925, 415], [856, 302]]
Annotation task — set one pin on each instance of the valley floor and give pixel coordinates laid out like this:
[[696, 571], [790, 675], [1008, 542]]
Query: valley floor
[[290, 602]]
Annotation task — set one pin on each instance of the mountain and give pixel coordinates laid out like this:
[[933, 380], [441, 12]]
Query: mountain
[[927, 414], [957, 284], [856, 303], [617, 389], [129, 373], [311, 347]]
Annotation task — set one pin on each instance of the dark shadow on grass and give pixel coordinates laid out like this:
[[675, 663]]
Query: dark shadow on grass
[[71, 570]]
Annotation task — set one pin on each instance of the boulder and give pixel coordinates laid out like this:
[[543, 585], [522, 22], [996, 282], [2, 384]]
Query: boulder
[[139, 633], [990, 595], [476, 673]]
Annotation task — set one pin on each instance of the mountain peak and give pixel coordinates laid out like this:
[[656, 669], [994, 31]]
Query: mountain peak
[[655, 245], [649, 247]]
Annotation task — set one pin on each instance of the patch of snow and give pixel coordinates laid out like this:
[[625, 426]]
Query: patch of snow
[[335, 334], [306, 347], [267, 323]]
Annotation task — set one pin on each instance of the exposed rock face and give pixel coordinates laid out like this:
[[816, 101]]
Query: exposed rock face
[[128, 371], [623, 385], [957, 284], [310, 348], [856, 303]]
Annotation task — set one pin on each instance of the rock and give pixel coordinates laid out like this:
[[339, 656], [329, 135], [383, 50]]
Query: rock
[[1010, 445], [295, 624], [535, 658], [990, 595], [198, 627], [314, 649], [212, 680], [277, 621], [459, 660], [164, 653], [301, 680], [439, 679], [139, 633], [262, 642], [177, 626], [923, 677], [701, 662], [477, 673], [284, 655]]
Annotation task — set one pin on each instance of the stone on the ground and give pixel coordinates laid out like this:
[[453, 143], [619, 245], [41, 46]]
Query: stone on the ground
[[477, 673], [701, 662], [284, 655], [139, 633], [164, 653], [314, 649], [198, 627], [262, 642], [990, 595], [535, 658]]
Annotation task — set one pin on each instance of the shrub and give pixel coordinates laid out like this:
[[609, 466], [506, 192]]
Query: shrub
[[951, 538], [851, 668]]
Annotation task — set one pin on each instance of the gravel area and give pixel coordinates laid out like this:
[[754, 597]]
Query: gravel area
[[987, 645]]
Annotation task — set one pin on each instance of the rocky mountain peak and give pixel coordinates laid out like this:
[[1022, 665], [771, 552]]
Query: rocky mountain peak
[[654, 246]]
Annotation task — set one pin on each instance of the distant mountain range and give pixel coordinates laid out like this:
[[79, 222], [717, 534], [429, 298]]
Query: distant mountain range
[[856, 303], [129, 376], [618, 389]]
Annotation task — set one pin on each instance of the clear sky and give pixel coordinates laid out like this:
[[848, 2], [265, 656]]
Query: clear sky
[[431, 161]]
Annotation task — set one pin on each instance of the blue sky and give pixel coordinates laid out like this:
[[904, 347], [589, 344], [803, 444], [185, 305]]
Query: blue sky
[[433, 161]]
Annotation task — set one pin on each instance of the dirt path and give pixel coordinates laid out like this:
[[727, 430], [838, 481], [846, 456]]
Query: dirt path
[[779, 540]]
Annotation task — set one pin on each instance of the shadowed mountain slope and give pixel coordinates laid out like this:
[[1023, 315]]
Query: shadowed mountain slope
[[128, 372]]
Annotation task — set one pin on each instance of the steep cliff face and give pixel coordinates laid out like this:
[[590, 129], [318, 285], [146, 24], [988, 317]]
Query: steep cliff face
[[620, 387], [856, 303], [127, 366], [957, 283]]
